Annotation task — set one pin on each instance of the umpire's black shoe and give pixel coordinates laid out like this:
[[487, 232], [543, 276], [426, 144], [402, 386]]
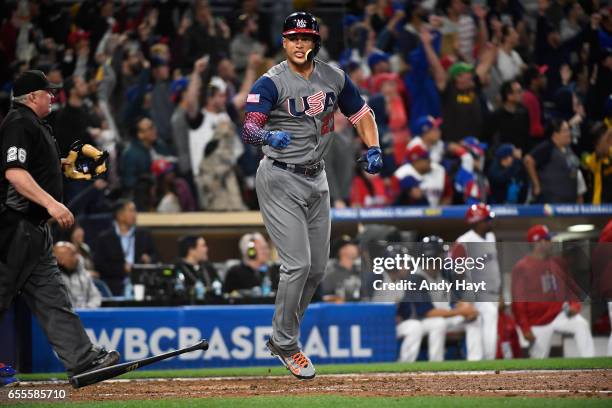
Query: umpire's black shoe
[[104, 359]]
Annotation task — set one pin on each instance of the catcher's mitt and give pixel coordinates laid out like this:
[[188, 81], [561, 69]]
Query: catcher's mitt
[[84, 162]]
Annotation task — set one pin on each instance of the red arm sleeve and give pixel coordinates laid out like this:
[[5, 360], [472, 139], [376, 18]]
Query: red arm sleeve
[[253, 131]]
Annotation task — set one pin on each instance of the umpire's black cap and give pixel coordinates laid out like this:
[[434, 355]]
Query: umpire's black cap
[[31, 81]]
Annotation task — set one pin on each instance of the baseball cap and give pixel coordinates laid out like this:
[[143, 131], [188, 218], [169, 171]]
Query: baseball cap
[[538, 233], [376, 58], [433, 246], [424, 124], [350, 19], [350, 66], [478, 212], [474, 145], [379, 79], [218, 83], [416, 152], [158, 62], [177, 86], [459, 68], [504, 150], [31, 81]]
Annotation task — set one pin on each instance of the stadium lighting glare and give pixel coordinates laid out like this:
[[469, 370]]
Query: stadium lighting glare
[[581, 228]]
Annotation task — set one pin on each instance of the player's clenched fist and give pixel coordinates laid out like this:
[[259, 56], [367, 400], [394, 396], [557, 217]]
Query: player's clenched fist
[[278, 139], [374, 160]]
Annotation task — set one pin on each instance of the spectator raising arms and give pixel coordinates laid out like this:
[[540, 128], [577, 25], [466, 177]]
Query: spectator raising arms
[[188, 68], [459, 90]]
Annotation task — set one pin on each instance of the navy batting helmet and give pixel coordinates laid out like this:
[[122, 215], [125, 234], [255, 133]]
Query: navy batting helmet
[[433, 246], [302, 22]]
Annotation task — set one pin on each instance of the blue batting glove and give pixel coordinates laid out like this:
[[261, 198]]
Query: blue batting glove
[[374, 160], [278, 139]]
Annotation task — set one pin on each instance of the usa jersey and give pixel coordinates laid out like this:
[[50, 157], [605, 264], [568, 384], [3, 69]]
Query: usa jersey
[[304, 108]]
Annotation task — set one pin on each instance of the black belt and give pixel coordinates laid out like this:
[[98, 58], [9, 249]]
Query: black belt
[[309, 171]]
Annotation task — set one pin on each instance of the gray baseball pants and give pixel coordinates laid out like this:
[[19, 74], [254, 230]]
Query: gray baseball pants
[[296, 213]]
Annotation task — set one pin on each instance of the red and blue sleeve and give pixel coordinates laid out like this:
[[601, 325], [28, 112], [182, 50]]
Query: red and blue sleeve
[[260, 101], [351, 103]]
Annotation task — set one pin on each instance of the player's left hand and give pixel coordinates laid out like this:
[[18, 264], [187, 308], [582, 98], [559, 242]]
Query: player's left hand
[[374, 160]]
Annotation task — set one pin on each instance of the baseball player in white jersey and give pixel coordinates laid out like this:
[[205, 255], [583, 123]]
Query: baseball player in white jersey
[[290, 112], [479, 241]]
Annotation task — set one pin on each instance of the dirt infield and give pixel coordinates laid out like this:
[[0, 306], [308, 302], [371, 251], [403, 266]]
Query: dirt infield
[[575, 383]]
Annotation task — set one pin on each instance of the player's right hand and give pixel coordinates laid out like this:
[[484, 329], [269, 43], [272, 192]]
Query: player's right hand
[[278, 139]]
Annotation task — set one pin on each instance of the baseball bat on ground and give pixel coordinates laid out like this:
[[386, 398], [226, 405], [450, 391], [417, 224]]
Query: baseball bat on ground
[[101, 374]]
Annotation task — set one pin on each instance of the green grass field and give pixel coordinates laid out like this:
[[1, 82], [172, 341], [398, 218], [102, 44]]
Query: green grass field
[[326, 401], [518, 364]]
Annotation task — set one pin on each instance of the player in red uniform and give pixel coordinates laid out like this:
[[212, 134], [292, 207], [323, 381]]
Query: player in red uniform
[[544, 298]]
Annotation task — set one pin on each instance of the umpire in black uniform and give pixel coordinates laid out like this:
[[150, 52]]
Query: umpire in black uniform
[[30, 194]]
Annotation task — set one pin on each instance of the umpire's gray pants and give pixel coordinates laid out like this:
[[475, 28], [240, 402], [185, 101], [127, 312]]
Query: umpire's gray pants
[[32, 269], [295, 211]]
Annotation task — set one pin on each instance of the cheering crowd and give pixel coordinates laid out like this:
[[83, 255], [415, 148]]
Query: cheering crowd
[[503, 103]]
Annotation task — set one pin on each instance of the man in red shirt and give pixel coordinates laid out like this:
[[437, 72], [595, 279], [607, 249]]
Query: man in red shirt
[[544, 298]]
